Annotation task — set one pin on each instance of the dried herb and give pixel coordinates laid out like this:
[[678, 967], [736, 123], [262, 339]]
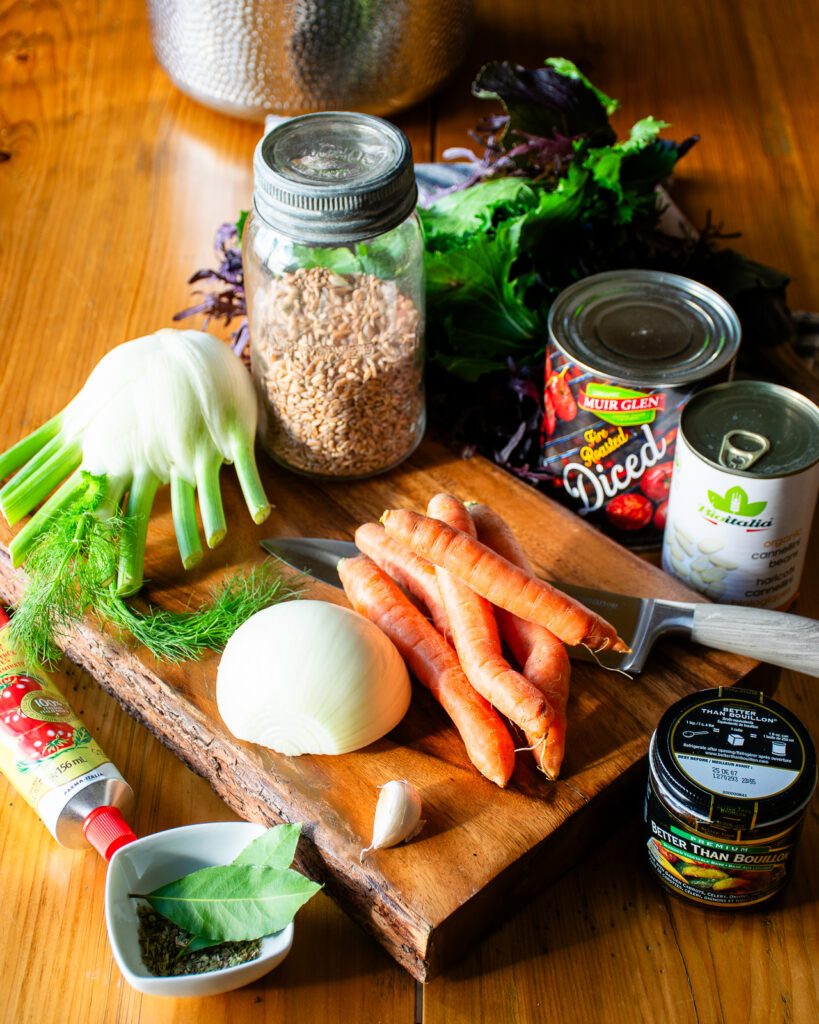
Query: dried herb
[[234, 902], [273, 849], [168, 950], [216, 917]]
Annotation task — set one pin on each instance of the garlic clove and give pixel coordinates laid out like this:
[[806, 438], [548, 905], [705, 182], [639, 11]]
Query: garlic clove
[[397, 816]]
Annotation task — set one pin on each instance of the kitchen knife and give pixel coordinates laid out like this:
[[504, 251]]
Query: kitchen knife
[[778, 638]]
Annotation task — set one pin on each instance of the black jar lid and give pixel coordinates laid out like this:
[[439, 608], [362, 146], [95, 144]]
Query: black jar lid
[[333, 178], [733, 758]]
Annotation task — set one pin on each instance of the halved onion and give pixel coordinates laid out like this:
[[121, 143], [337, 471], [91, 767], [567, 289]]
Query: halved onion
[[309, 677]]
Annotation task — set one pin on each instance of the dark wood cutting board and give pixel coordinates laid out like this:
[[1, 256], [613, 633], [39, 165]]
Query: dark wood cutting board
[[483, 850]]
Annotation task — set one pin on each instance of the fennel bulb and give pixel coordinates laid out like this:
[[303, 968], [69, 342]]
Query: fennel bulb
[[309, 677], [167, 408]]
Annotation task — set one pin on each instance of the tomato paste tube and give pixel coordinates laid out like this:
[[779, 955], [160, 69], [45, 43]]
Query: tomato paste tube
[[51, 759]]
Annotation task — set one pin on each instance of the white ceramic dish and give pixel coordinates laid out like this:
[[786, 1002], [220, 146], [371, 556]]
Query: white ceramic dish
[[161, 858]]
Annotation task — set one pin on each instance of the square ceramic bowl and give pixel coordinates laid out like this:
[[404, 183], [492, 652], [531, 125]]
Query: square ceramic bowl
[[146, 864]]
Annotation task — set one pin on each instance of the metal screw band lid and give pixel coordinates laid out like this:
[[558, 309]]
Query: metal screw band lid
[[333, 178]]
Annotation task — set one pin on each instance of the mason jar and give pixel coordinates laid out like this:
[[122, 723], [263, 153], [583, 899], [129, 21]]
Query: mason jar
[[333, 266]]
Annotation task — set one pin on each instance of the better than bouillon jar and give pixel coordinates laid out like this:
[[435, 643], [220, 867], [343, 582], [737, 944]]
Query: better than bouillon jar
[[333, 258], [731, 773]]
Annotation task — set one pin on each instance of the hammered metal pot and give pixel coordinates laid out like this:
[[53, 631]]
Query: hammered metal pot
[[255, 57]]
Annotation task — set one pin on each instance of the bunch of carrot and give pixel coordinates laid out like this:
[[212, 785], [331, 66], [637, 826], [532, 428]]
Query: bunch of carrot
[[464, 566]]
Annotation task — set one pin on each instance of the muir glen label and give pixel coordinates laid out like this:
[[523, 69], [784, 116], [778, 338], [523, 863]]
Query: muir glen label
[[626, 350], [609, 450]]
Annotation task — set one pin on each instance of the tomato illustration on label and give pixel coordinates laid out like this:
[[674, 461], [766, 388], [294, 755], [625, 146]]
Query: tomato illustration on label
[[47, 738], [656, 482], [549, 416], [561, 394], [15, 722], [661, 516], [629, 511], [14, 688]]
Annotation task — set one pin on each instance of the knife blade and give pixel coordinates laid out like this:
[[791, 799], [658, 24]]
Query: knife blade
[[790, 641], [632, 617]]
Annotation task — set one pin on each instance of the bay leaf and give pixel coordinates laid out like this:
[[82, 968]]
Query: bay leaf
[[234, 902], [272, 849]]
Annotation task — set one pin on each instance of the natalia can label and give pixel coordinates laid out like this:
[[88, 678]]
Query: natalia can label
[[627, 350], [744, 489]]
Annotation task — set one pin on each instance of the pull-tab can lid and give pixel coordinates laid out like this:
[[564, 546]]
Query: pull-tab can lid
[[753, 428], [741, 449]]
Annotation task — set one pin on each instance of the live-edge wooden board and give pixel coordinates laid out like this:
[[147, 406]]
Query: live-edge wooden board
[[483, 851]]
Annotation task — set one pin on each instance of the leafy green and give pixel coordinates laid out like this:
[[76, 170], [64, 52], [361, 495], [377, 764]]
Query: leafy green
[[557, 197], [548, 100], [485, 307], [567, 68], [386, 257], [234, 902], [255, 895], [455, 217]]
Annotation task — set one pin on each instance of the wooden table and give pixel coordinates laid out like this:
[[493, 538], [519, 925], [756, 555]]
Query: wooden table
[[111, 185]]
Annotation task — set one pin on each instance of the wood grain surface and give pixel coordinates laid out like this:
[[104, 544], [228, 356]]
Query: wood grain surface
[[111, 184], [483, 851]]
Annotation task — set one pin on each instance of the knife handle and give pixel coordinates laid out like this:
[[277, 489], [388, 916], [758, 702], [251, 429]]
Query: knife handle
[[791, 641]]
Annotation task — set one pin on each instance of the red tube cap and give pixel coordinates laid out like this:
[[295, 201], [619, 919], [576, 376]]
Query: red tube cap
[[106, 830]]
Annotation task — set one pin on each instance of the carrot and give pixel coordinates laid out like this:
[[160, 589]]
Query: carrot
[[477, 642], [542, 656], [500, 582], [433, 662], [410, 571]]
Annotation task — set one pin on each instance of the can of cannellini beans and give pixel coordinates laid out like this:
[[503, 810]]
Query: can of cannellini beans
[[743, 491]]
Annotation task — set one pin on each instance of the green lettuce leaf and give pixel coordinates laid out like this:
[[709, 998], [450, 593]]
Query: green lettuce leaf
[[456, 217]]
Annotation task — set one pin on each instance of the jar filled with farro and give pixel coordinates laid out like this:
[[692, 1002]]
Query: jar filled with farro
[[333, 265]]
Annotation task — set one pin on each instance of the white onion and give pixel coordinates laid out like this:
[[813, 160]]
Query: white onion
[[309, 677]]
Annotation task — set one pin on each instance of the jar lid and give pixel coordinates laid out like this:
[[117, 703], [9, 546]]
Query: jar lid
[[783, 423], [645, 327], [734, 758], [332, 178]]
